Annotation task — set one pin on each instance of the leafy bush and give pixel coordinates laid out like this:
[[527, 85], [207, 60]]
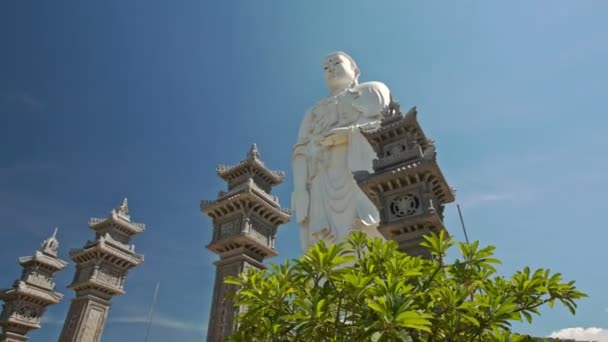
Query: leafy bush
[[366, 290]]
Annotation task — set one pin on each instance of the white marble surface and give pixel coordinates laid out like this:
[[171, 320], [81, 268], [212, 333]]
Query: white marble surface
[[326, 199]]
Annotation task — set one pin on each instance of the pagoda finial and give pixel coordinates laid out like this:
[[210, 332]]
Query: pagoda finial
[[124, 207], [123, 210], [50, 245], [253, 152]]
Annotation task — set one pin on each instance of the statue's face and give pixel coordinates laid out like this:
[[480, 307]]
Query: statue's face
[[339, 71]]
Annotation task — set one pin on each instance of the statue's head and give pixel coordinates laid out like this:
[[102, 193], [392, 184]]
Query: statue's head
[[340, 71]]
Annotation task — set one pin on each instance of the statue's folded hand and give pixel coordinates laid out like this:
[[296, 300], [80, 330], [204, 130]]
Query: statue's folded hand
[[335, 136], [327, 141]]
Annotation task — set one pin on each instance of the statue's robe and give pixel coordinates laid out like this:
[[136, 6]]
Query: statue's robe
[[336, 205]]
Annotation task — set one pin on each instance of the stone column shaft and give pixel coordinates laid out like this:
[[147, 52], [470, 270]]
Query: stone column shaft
[[101, 268]]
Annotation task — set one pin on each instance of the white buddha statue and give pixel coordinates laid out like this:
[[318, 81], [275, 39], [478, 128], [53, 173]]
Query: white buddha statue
[[327, 201]]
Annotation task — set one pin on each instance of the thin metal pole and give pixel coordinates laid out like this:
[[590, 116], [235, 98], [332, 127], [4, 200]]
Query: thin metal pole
[[466, 237], [464, 229], [152, 311]]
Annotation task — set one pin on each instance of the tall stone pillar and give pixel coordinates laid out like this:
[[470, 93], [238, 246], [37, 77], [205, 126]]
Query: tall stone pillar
[[245, 221], [407, 185], [27, 300], [101, 268]]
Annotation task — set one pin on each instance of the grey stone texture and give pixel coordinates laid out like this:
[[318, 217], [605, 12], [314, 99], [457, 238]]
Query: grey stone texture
[[101, 269], [245, 221], [27, 300], [407, 185]]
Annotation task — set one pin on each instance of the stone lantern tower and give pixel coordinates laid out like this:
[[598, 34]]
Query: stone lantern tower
[[245, 221], [30, 295], [101, 269], [407, 185]]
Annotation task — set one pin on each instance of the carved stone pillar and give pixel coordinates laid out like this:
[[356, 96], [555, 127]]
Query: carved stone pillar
[[29, 297], [245, 219], [102, 266]]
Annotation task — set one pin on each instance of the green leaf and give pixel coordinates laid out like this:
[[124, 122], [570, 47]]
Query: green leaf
[[471, 319], [377, 336], [528, 316]]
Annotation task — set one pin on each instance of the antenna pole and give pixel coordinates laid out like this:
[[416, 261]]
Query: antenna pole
[[464, 229], [466, 237], [152, 311]]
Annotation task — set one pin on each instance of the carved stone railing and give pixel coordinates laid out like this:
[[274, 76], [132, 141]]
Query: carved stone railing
[[409, 154], [139, 225], [95, 220], [272, 198]]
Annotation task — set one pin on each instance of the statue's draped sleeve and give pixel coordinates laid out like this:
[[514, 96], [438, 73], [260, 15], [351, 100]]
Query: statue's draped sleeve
[[372, 98], [303, 135], [300, 197]]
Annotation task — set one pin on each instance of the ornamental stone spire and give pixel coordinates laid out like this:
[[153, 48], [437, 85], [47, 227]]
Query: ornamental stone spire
[[101, 269], [253, 152], [245, 221], [27, 300], [407, 185]]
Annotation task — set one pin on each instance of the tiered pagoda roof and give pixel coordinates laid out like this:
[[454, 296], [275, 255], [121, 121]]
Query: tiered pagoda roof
[[419, 170], [36, 295], [119, 219], [103, 249], [105, 246], [251, 165], [33, 292], [108, 247], [248, 195], [397, 125], [412, 164]]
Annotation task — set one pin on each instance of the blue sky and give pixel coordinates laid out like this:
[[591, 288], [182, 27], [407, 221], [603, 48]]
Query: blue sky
[[142, 99]]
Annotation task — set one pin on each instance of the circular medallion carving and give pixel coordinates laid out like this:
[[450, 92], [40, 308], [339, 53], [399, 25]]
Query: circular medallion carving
[[406, 205], [28, 312]]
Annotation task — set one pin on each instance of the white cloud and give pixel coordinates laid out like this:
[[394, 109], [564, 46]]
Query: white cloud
[[23, 100], [52, 320], [480, 199], [163, 321], [159, 320], [582, 334]]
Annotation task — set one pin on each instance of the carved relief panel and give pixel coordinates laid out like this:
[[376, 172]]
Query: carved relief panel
[[72, 321], [230, 227], [109, 275], [399, 151], [39, 277], [260, 231], [404, 144], [226, 309], [222, 310], [92, 325]]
